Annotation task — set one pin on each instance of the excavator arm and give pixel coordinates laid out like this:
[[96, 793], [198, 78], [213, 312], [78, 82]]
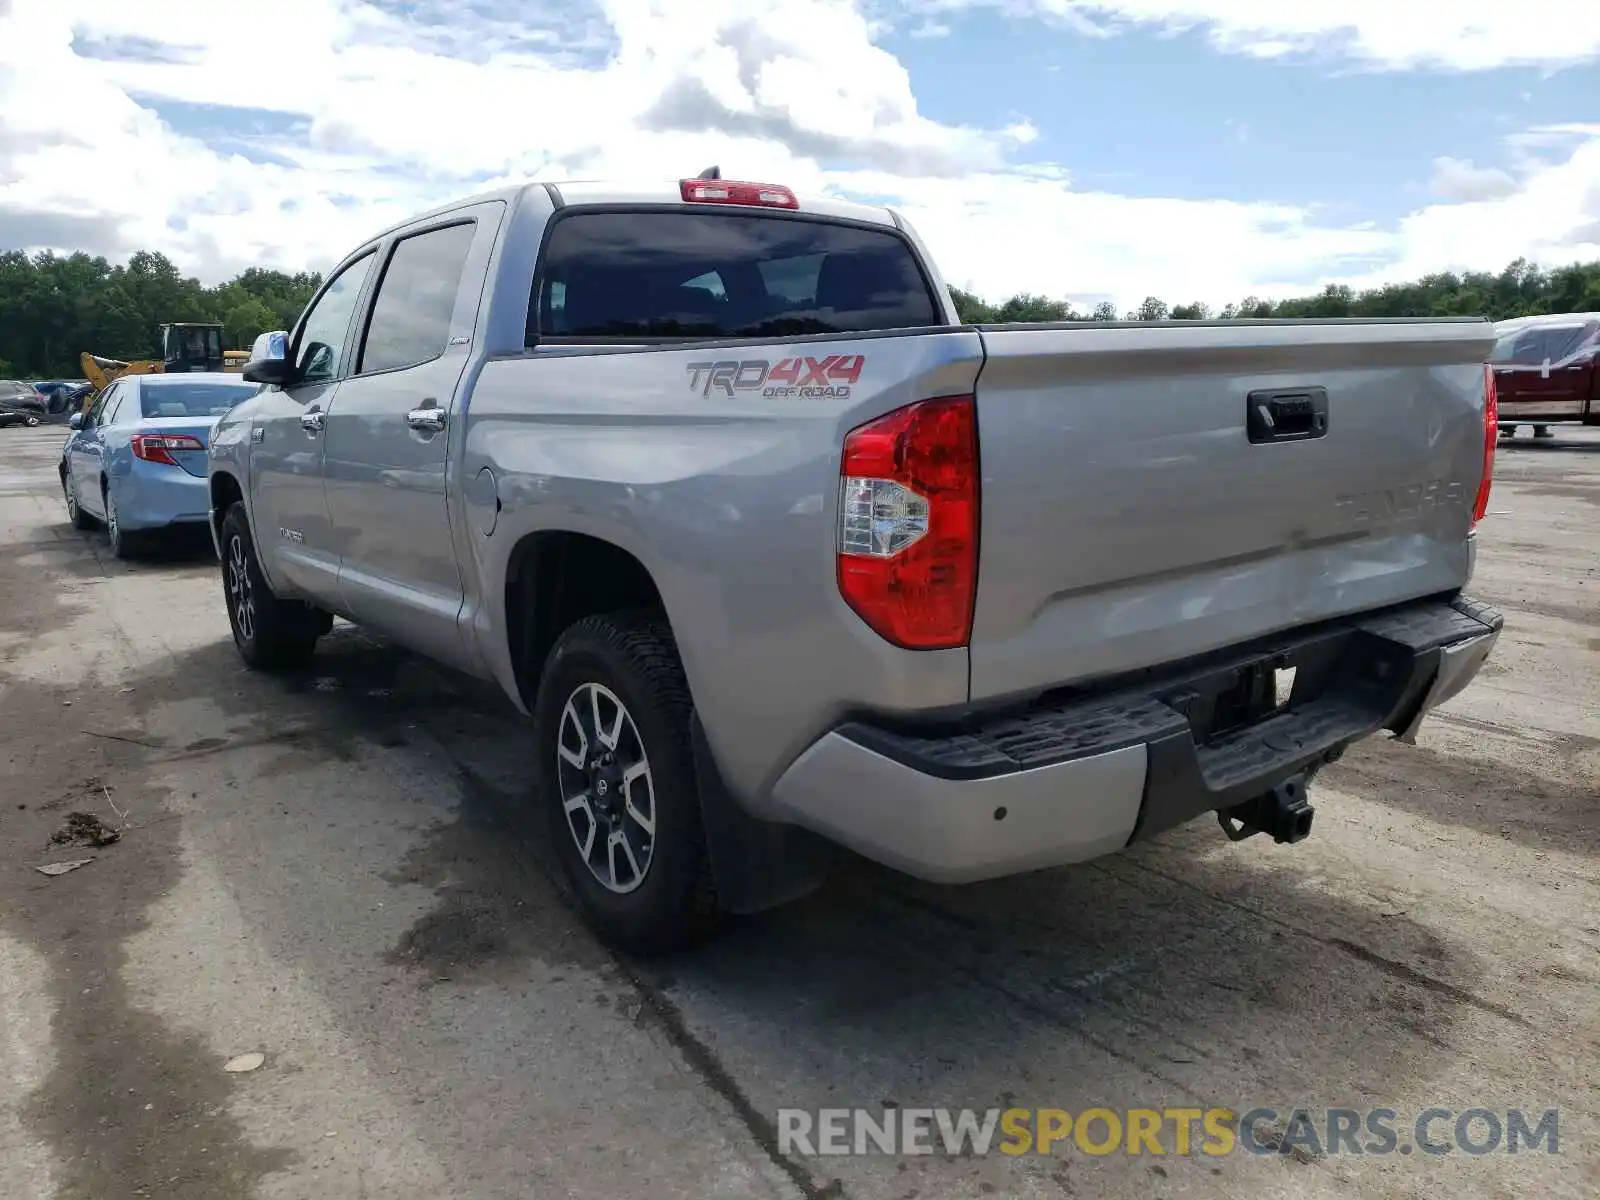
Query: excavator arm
[[102, 371]]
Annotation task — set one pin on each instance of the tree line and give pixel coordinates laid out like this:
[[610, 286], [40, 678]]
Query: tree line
[[53, 307], [1522, 289]]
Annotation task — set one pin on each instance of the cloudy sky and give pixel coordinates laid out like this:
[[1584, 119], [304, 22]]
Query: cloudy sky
[[1191, 149]]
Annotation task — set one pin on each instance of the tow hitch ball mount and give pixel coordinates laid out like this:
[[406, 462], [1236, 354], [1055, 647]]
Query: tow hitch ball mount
[[1283, 812]]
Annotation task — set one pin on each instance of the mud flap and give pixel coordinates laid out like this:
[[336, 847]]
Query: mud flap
[[756, 864]]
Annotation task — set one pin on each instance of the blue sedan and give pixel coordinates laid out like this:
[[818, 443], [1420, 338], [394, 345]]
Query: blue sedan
[[136, 461]]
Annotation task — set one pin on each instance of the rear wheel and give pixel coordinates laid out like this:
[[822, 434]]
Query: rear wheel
[[30, 420], [269, 633], [616, 776]]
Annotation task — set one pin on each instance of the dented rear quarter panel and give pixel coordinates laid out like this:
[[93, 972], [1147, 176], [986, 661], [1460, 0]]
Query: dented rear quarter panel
[[731, 502]]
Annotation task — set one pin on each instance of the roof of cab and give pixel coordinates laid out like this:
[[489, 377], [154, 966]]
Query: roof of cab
[[162, 379], [593, 193]]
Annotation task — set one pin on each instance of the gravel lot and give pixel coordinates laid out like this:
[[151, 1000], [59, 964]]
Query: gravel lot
[[333, 870]]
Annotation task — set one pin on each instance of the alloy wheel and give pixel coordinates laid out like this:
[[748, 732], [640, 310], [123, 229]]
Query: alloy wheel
[[607, 791], [241, 596]]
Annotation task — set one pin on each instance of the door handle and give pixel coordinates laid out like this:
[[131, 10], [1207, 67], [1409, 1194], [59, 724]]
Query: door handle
[[427, 419], [311, 422]]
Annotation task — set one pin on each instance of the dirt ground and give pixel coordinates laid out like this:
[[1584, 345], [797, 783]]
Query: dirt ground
[[334, 870]]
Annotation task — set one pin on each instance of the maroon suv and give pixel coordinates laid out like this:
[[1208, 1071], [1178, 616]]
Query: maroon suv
[[1545, 372]]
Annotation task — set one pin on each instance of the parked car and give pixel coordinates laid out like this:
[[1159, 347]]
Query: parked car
[[781, 557], [136, 462], [1546, 373], [20, 403], [61, 395]]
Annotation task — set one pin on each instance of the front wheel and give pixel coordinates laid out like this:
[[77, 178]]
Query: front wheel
[[30, 421], [616, 778], [80, 519], [269, 633], [123, 544]]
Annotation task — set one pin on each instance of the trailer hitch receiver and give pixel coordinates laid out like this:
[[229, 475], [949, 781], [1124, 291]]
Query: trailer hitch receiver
[[1283, 812]]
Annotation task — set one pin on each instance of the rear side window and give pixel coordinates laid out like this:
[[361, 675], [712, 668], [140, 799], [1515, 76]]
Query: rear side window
[[411, 316], [678, 275]]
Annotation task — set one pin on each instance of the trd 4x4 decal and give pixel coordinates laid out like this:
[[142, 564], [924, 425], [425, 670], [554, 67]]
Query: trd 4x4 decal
[[827, 378]]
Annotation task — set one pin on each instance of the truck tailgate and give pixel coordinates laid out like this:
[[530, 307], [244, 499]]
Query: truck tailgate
[[1134, 512]]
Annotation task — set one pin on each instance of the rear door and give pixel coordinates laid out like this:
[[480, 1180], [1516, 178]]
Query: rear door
[[289, 514], [389, 435]]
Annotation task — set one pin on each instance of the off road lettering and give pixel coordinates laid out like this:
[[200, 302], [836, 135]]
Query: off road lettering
[[805, 378]]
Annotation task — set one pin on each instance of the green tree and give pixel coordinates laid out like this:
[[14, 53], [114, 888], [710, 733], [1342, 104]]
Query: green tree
[[970, 308], [246, 319], [53, 307]]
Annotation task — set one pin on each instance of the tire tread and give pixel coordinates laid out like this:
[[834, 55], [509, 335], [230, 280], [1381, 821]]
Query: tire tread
[[642, 640]]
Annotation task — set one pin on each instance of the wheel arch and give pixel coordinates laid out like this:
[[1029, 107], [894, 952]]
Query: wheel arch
[[556, 577], [226, 491]]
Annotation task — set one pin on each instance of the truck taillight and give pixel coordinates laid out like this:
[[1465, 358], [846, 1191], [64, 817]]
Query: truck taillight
[[728, 191], [1491, 436], [159, 447], [908, 523]]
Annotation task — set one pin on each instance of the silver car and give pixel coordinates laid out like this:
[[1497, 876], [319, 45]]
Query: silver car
[[136, 461]]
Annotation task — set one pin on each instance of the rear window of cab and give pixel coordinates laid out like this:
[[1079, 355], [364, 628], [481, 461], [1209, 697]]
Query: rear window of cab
[[683, 275]]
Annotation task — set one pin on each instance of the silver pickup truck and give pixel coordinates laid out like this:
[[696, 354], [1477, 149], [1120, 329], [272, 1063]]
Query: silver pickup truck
[[781, 557]]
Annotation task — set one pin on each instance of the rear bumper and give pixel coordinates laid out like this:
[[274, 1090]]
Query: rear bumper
[[153, 496], [1069, 779]]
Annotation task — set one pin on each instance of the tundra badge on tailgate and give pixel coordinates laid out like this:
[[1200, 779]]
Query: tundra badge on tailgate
[[827, 378]]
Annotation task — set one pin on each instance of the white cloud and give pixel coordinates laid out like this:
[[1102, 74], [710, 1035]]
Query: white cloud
[[365, 117], [1458, 179], [1463, 35]]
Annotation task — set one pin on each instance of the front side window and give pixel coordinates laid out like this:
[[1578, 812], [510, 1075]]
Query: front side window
[[115, 406], [106, 397], [685, 275], [410, 321], [325, 333]]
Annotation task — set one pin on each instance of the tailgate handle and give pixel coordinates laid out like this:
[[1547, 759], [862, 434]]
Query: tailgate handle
[[1286, 415]]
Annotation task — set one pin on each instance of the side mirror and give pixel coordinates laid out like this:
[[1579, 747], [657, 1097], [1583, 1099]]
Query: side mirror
[[268, 359], [75, 421]]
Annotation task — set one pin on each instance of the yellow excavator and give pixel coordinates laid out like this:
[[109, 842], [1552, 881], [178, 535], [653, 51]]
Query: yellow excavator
[[185, 346]]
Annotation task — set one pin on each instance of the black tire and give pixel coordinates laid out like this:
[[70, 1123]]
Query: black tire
[[80, 519], [270, 634], [632, 656], [124, 545]]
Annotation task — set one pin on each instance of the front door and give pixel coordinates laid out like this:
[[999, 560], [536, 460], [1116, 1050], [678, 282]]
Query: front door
[[289, 514], [86, 453], [388, 437]]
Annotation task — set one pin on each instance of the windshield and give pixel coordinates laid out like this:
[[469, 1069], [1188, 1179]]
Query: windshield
[[192, 399]]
